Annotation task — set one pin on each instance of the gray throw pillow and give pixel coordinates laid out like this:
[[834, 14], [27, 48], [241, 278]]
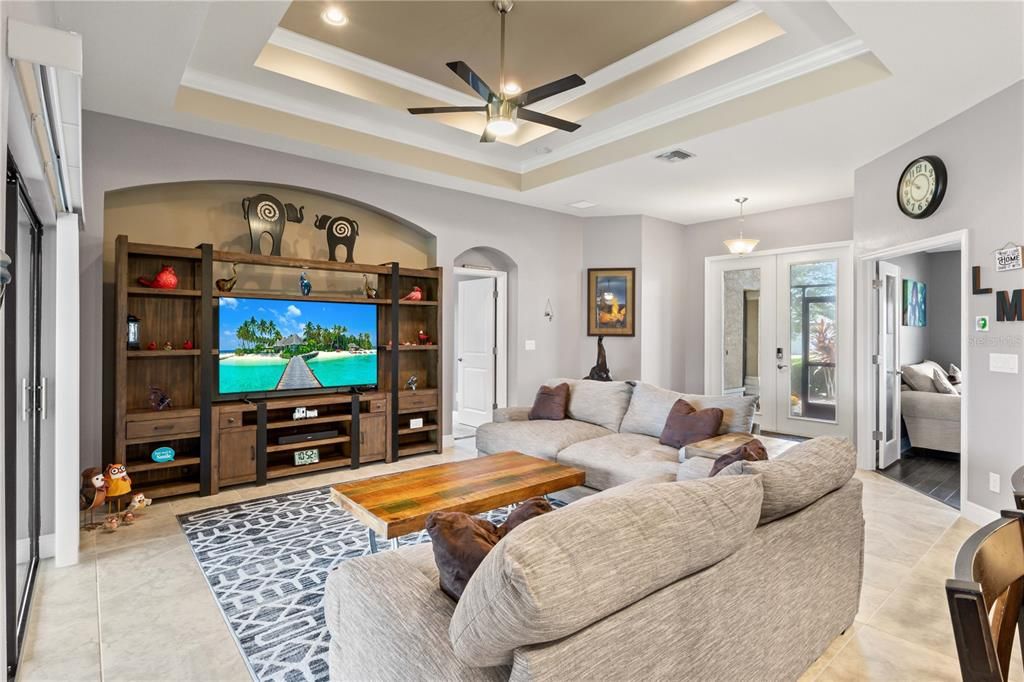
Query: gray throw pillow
[[737, 410], [942, 384]]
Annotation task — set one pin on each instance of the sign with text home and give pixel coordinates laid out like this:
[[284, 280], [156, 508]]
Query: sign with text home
[[1009, 258]]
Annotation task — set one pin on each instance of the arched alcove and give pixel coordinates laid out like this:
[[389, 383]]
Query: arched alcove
[[486, 262]]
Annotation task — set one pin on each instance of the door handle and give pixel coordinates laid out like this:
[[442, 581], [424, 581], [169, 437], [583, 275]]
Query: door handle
[[460, 359], [781, 366], [252, 450]]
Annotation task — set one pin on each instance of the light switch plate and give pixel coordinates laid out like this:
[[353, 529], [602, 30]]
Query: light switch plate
[[993, 482], [530, 344], [1007, 363]]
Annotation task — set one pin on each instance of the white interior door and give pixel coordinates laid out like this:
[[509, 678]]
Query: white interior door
[[476, 351], [813, 355], [888, 309], [740, 333]]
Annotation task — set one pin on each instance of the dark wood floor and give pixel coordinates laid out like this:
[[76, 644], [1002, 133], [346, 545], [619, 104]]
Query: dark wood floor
[[934, 473]]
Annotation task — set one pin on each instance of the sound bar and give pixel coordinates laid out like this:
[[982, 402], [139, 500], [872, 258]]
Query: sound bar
[[303, 437]]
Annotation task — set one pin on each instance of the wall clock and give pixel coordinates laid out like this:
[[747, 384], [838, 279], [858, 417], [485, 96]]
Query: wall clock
[[922, 187]]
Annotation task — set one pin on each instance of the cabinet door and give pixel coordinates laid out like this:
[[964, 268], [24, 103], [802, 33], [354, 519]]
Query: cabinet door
[[237, 456], [373, 437]]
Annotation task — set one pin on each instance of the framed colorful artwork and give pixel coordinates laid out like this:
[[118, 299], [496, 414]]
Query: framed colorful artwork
[[915, 303], [611, 302]]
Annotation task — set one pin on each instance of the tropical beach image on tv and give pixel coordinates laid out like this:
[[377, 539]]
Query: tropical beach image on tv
[[273, 345]]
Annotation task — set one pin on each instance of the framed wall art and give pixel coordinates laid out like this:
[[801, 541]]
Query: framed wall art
[[611, 302], [915, 303]]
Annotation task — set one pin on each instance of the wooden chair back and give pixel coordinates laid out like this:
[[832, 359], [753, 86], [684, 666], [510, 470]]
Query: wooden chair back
[[985, 598]]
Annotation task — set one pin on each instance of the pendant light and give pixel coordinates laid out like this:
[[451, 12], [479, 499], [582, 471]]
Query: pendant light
[[740, 246]]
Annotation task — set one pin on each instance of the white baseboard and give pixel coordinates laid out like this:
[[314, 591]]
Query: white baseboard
[[448, 440], [47, 544], [976, 513]]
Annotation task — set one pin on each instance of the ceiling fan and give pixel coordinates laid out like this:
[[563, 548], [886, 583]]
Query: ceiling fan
[[504, 111]]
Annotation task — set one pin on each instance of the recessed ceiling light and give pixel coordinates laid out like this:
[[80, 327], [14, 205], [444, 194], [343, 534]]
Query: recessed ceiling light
[[512, 89], [334, 16], [583, 204]]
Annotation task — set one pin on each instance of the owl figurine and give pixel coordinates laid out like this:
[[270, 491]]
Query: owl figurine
[[93, 492], [138, 502], [118, 482]]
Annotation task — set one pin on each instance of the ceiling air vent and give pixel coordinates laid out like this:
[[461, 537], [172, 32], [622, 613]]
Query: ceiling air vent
[[675, 156]]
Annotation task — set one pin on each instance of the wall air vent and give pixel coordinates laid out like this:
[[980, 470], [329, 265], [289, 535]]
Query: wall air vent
[[675, 156]]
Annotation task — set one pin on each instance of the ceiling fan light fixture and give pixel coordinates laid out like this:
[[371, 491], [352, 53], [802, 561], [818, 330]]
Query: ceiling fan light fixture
[[512, 89], [502, 126], [501, 118], [334, 16]]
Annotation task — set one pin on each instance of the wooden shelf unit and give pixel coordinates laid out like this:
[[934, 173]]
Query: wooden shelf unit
[[219, 443]]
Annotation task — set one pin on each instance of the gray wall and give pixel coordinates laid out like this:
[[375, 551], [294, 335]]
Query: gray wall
[[664, 320], [939, 340], [545, 245], [983, 149], [829, 221]]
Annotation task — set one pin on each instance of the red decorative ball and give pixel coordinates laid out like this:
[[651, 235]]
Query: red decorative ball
[[187, 345]]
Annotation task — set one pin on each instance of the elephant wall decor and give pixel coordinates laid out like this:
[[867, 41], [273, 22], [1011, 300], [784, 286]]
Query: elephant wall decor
[[340, 231], [266, 214]]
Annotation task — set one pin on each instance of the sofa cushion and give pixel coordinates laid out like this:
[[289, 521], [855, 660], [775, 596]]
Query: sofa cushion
[[803, 474], [551, 402], [920, 376], [563, 571], [686, 425], [538, 438], [942, 383], [649, 408], [598, 402], [700, 467], [621, 457]]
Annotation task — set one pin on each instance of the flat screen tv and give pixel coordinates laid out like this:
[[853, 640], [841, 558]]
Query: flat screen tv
[[297, 345]]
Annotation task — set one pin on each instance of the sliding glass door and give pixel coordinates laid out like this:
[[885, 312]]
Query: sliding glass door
[[24, 401]]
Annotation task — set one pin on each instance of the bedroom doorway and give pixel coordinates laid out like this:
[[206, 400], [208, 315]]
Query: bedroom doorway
[[481, 347], [916, 364]]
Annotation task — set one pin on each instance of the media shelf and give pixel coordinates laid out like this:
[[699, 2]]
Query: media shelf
[[224, 443]]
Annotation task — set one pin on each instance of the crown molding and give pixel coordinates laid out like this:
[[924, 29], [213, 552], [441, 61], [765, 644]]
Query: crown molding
[[814, 60], [371, 68], [233, 89], [682, 39]]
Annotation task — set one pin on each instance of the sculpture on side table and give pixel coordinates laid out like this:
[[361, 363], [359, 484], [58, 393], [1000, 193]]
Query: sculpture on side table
[[600, 371]]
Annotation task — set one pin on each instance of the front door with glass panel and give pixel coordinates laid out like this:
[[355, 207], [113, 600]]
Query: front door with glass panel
[[780, 327]]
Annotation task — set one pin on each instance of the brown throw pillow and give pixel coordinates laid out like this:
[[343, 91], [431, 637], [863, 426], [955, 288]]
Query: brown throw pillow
[[752, 451], [686, 425], [461, 541], [551, 402]]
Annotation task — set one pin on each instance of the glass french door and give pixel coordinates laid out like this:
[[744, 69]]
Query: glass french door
[[888, 308], [781, 327], [24, 401]]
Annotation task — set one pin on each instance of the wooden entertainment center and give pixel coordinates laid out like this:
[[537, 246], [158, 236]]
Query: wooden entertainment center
[[219, 443]]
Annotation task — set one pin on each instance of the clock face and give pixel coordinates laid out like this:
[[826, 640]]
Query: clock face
[[922, 187]]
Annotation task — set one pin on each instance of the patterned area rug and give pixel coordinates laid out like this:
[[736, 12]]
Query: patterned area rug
[[267, 562]]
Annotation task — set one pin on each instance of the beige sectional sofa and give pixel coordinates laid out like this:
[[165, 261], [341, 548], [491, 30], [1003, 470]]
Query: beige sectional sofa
[[731, 578], [612, 432], [932, 418]]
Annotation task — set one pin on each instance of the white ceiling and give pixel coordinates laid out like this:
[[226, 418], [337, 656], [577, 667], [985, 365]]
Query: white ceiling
[[944, 57]]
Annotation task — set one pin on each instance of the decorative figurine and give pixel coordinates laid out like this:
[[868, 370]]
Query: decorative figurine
[[127, 518], [151, 345], [370, 291], [165, 279], [226, 284], [168, 345], [423, 338], [138, 502], [133, 332], [600, 371], [91, 495], [415, 295], [158, 400], [267, 215], [305, 286], [340, 232], [111, 523], [411, 383], [118, 482], [188, 345]]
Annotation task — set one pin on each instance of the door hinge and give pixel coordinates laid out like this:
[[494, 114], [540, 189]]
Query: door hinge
[[495, 294], [876, 284], [876, 435], [875, 359]]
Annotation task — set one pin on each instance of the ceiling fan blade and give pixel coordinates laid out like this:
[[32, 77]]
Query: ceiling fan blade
[[550, 121], [444, 110], [474, 81], [549, 90], [488, 136]]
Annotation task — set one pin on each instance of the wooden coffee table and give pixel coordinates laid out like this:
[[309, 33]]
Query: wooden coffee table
[[396, 504]]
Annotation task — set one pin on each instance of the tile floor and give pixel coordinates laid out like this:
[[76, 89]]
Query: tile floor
[[138, 607]]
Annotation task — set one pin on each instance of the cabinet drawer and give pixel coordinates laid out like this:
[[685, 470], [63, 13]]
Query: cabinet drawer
[[378, 405], [161, 428], [231, 420], [415, 400]]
